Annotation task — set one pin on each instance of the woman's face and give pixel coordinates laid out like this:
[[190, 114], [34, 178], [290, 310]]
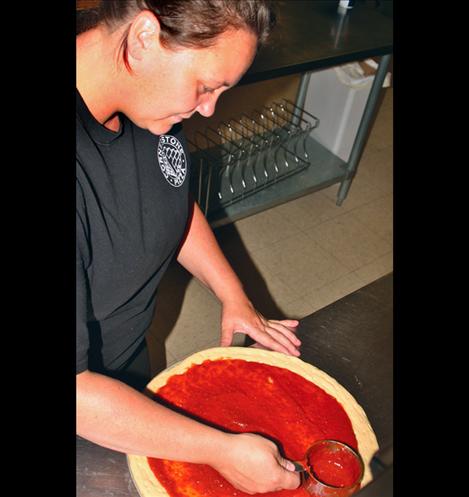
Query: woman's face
[[170, 86]]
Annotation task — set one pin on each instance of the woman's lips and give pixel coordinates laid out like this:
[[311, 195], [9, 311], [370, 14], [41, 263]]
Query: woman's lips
[[179, 117]]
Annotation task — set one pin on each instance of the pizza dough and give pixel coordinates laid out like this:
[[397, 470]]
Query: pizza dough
[[144, 478]]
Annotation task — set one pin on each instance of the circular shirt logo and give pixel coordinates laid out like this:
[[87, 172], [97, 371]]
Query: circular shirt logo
[[172, 160]]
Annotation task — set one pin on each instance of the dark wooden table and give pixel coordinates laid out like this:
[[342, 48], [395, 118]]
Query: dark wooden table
[[351, 339]]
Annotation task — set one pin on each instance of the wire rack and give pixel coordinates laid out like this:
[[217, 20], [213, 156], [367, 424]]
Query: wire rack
[[247, 154]]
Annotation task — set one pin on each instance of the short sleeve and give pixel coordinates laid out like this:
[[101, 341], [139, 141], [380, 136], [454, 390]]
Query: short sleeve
[[82, 287]]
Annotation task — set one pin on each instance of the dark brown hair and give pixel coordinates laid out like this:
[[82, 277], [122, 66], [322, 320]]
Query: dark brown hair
[[189, 23]]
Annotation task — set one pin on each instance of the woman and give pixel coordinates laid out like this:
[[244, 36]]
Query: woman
[[142, 67]]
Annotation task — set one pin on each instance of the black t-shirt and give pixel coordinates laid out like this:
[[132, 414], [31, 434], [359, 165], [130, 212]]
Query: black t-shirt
[[132, 204]]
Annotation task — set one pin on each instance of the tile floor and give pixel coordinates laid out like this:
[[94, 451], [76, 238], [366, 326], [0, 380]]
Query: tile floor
[[293, 259]]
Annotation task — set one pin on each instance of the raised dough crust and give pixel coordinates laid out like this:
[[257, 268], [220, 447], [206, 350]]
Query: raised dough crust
[[143, 477]]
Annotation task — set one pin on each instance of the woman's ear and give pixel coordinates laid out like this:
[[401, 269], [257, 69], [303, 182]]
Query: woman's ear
[[143, 36]]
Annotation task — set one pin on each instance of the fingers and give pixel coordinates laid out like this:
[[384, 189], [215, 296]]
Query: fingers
[[278, 345], [277, 337], [293, 323], [226, 337], [287, 342], [290, 479], [257, 345], [286, 331], [269, 335], [255, 465]]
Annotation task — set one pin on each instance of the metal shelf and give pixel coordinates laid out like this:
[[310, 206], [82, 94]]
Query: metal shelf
[[324, 169], [259, 160]]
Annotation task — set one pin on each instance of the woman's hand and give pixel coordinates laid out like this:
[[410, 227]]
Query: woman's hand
[[253, 464], [215, 272], [241, 317]]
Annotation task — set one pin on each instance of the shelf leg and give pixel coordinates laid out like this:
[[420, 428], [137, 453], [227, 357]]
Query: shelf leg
[[362, 133], [301, 97]]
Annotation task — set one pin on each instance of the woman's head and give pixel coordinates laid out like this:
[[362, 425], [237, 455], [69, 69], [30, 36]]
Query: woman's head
[[176, 57], [191, 23]]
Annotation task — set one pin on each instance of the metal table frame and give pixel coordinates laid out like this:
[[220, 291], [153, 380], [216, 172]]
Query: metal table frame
[[362, 133]]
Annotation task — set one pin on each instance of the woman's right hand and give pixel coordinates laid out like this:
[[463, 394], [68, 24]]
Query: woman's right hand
[[253, 464]]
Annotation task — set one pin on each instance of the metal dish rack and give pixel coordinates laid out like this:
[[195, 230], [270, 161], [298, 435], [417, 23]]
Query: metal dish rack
[[245, 155]]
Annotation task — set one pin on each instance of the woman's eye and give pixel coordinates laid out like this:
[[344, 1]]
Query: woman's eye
[[206, 89]]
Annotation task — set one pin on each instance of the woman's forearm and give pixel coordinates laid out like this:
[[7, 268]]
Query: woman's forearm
[[115, 416], [118, 417], [201, 255]]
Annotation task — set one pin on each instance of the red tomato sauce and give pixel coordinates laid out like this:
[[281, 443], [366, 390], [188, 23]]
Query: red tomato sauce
[[241, 396], [339, 470]]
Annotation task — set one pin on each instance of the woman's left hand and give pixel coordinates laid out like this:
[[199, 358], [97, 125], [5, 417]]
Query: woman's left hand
[[241, 317]]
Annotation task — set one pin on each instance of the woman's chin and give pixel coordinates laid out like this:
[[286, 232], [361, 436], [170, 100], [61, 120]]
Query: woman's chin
[[163, 126]]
